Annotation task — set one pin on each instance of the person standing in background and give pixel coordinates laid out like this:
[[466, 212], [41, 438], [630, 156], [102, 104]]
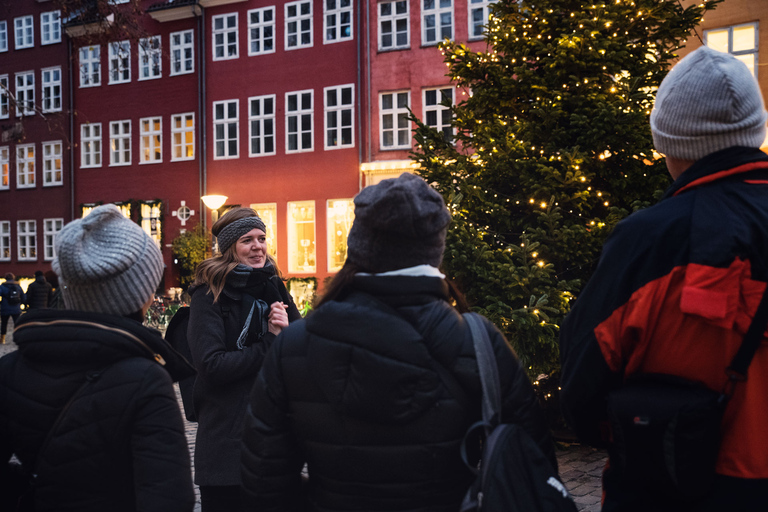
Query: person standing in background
[[12, 297], [39, 292]]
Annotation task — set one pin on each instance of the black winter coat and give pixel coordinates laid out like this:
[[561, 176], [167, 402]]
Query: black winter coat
[[121, 445], [353, 391], [39, 293], [225, 375]]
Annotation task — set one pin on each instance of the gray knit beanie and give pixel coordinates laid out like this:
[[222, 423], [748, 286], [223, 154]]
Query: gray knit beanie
[[106, 263], [399, 223], [232, 232], [708, 102]]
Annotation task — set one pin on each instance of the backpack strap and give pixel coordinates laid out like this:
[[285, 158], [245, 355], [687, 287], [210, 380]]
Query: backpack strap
[[488, 369]]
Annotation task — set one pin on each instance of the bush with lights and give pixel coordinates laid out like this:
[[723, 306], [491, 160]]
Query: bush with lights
[[551, 148]]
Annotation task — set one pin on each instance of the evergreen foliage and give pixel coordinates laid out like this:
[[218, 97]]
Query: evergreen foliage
[[552, 148], [191, 248]]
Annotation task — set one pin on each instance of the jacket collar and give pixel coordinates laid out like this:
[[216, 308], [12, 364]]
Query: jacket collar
[[727, 163]]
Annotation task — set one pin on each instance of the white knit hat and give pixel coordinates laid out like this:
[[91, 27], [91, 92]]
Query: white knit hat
[[106, 263], [708, 102]]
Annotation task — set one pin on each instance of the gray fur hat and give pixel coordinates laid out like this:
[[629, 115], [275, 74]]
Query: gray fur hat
[[106, 263], [399, 223], [708, 102]]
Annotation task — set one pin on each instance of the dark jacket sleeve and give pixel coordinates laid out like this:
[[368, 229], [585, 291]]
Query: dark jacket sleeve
[[270, 462], [207, 343], [161, 465]]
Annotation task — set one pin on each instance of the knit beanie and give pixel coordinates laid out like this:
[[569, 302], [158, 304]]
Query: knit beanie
[[106, 263], [708, 102], [399, 223], [232, 232]]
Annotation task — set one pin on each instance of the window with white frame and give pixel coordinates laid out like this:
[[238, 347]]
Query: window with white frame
[[268, 214], [119, 62], [90, 145], [25, 93], [149, 58], [339, 116], [51, 89], [3, 36], [739, 40], [437, 115], [150, 134], [5, 109], [26, 240], [25, 166], [51, 228], [436, 20], [24, 32], [298, 25], [339, 218], [301, 237], [120, 142], [182, 52], [150, 220], [395, 129], [261, 31], [5, 240], [226, 126], [479, 13], [261, 125], [394, 25], [52, 160], [183, 136], [224, 35], [50, 27], [90, 66], [337, 20], [299, 121], [5, 170]]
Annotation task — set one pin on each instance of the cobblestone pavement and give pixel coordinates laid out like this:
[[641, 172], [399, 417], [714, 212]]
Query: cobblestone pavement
[[580, 466]]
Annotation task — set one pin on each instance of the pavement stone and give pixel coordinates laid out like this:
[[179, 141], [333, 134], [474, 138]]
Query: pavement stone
[[580, 466]]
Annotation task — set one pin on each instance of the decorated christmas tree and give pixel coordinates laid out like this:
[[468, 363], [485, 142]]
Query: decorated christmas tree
[[551, 148]]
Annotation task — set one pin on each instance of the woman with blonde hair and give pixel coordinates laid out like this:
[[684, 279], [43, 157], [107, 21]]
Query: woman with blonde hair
[[239, 305]]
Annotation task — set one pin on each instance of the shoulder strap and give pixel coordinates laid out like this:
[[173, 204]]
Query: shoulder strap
[[489, 371], [737, 370]]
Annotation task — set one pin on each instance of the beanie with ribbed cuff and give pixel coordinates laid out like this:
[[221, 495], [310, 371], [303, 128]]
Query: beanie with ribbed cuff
[[708, 102], [399, 223], [231, 233], [106, 263]]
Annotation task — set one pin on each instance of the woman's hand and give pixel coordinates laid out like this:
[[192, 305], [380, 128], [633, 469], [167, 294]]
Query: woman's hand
[[278, 317]]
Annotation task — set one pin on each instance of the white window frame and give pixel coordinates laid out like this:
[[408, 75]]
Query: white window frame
[[50, 27], [179, 131], [300, 114], [119, 62], [90, 145], [5, 168], [25, 94], [226, 31], [150, 58], [261, 31], [227, 123], [438, 109], [395, 112], [740, 54], [51, 228], [151, 140], [481, 7], [436, 13], [260, 123], [24, 32], [53, 163], [90, 66], [25, 166], [336, 18], [51, 89], [5, 103], [3, 36], [335, 111], [295, 26], [182, 52], [5, 240], [392, 19], [26, 240], [120, 143]]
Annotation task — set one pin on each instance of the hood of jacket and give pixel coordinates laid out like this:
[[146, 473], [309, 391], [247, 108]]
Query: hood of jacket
[[371, 360], [54, 337]]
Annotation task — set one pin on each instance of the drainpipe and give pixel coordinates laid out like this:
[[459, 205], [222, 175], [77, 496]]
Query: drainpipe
[[359, 100], [201, 105], [368, 72], [71, 136]]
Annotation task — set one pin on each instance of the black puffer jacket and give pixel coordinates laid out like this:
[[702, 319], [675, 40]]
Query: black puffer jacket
[[121, 445], [353, 391], [39, 293]]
